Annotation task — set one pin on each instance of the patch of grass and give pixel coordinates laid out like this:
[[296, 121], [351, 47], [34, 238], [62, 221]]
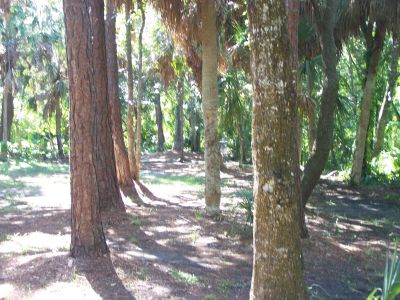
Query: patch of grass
[[198, 215], [16, 169], [5, 237], [142, 275], [136, 221], [133, 240], [194, 236], [224, 286], [186, 278], [173, 179], [210, 297]]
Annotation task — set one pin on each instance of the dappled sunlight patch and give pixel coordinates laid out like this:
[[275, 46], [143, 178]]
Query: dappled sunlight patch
[[67, 291], [6, 290]]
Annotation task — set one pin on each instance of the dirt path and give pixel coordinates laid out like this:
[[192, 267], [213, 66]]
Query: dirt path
[[170, 250]]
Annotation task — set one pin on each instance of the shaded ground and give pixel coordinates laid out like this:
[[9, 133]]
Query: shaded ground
[[169, 250]]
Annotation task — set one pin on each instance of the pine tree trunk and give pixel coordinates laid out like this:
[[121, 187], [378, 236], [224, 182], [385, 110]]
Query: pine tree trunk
[[58, 130], [159, 121], [366, 102], [130, 125], [84, 41], [178, 139], [138, 141], [210, 105], [326, 21], [389, 96], [121, 154], [277, 265]]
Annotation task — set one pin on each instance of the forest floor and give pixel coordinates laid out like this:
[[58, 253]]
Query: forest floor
[[169, 249]]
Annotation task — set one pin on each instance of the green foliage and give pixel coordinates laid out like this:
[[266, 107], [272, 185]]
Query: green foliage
[[391, 279], [247, 204], [186, 278]]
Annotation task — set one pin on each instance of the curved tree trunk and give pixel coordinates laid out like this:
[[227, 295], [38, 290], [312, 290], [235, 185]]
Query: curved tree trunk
[[130, 126], [326, 20], [375, 46], [210, 105], [138, 142], [277, 263], [389, 96], [159, 121], [121, 155], [81, 22]]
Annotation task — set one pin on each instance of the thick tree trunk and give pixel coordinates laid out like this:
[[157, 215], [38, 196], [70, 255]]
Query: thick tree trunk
[[326, 20], [84, 41], [366, 102], [130, 125], [121, 154], [138, 141], [277, 264], [210, 105], [159, 121], [110, 197], [389, 96], [60, 147]]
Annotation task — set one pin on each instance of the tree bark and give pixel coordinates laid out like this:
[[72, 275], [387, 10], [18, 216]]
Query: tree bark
[[159, 121], [138, 141], [277, 264], [84, 40], [130, 126], [210, 105], [389, 96], [375, 46], [326, 21], [60, 147], [121, 154], [241, 143], [178, 140]]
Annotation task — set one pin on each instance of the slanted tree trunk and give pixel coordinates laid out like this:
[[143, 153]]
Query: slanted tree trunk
[[389, 96], [210, 105], [129, 123], [326, 20], [60, 147], [178, 140], [138, 141], [277, 264], [159, 121], [374, 43], [121, 154], [84, 40]]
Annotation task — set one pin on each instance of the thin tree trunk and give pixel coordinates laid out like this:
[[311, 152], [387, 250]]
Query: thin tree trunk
[[130, 125], [178, 139], [241, 143], [389, 96], [60, 147], [194, 131], [159, 121], [121, 154], [277, 263], [366, 102], [326, 21], [210, 106], [140, 95], [84, 40]]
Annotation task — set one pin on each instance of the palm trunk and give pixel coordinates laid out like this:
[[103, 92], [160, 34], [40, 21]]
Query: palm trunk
[[277, 263], [210, 105], [389, 96], [140, 95], [121, 154], [326, 21], [130, 126], [241, 143], [60, 147], [178, 139], [366, 102], [159, 121]]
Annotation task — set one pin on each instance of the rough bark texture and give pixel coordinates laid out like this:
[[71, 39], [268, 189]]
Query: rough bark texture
[[375, 46], [84, 40], [159, 121], [277, 265], [110, 197], [138, 141], [121, 154], [389, 96], [210, 105], [130, 126], [325, 20]]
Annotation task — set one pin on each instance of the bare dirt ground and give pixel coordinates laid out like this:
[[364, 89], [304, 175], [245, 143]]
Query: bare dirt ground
[[169, 249]]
